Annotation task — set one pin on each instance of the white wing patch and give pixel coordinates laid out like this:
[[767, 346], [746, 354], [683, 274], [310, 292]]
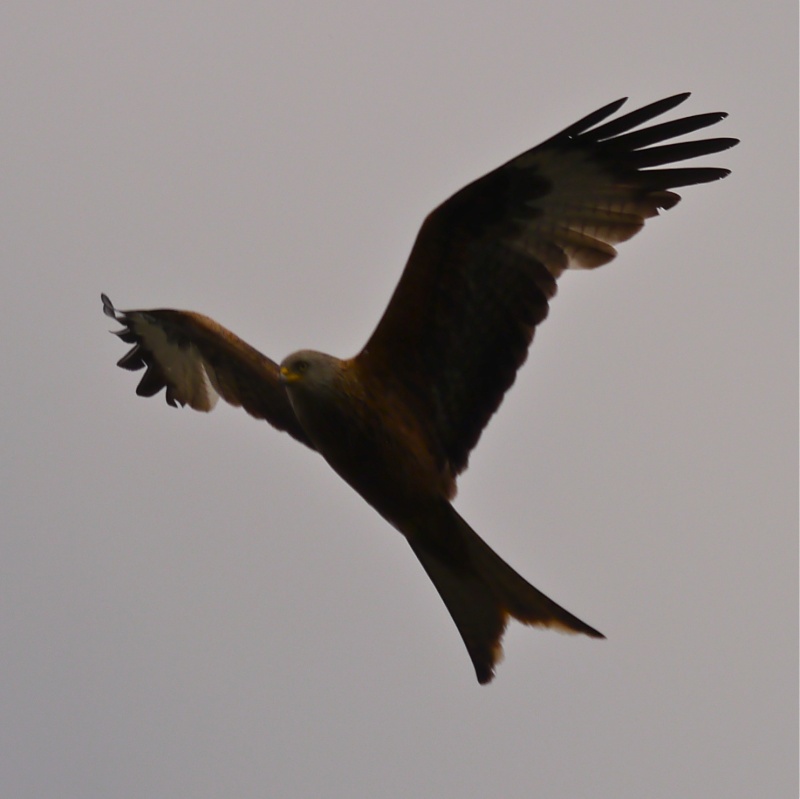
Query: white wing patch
[[586, 212], [189, 379]]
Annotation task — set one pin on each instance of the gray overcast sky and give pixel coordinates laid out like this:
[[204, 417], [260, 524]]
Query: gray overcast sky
[[196, 606]]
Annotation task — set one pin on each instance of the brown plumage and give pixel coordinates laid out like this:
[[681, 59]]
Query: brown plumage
[[398, 421]]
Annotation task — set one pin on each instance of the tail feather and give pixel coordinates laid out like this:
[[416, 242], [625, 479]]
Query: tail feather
[[481, 591]]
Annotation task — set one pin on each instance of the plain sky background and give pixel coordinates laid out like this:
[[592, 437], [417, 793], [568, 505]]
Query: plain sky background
[[196, 606]]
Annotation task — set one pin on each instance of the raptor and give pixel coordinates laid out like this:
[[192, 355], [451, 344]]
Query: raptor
[[398, 421]]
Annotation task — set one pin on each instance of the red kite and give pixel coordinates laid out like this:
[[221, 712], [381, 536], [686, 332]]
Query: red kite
[[398, 421]]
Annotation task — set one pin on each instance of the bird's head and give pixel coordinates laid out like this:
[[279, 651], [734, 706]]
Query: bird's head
[[313, 383], [308, 368]]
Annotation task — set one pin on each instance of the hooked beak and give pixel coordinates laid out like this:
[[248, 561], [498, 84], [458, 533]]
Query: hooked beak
[[287, 376]]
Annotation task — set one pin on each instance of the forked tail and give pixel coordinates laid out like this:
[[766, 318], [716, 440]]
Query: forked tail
[[481, 590]]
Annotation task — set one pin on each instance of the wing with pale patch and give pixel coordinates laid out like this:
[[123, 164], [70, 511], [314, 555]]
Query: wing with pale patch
[[601, 183], [197, 361], [485, 263]]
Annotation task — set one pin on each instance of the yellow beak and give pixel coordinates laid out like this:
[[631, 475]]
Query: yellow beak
[[287, 376]]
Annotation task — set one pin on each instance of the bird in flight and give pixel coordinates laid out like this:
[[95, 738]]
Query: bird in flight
[[399, 420]]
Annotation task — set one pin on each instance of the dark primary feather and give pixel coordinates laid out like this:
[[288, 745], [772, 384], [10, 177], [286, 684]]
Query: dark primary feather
[[485, 262]]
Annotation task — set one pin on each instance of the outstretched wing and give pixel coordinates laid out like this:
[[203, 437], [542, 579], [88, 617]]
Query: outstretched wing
[[198, 361], [485, 262]]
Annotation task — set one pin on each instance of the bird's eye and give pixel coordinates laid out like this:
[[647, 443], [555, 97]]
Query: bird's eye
[[301, 366]]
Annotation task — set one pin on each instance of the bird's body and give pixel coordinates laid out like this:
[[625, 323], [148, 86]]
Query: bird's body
[[397, 422], [357, 422], [355, 419]]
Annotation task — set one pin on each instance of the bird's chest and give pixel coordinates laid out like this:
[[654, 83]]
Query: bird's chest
[[373, 441]]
